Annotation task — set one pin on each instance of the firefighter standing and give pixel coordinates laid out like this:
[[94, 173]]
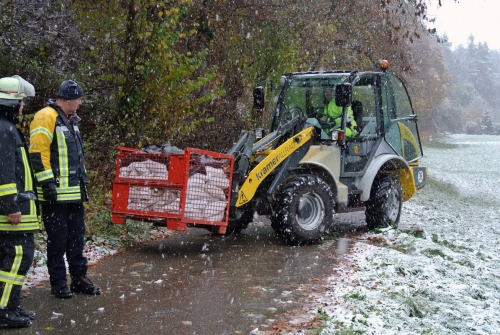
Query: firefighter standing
[[19, 217], [56, 152]]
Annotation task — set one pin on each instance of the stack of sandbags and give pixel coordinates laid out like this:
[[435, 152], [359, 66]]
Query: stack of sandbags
[[165, 200], [151, 199], [217, 187], [147, 169], [196, 197], [206, 195], [139, 198]]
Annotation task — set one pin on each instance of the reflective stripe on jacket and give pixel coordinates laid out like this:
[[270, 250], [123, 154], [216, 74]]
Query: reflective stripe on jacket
[[57, 153], [16, 182]]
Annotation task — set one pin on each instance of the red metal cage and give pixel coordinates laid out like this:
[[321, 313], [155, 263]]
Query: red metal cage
[[174, 190]]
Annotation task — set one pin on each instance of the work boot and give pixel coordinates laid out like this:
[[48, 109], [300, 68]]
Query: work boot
[[61, 290], [13, 319], [26, 313], [83, 284]]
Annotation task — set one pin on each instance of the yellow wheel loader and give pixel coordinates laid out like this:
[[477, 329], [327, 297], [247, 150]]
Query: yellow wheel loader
[[305, 170]]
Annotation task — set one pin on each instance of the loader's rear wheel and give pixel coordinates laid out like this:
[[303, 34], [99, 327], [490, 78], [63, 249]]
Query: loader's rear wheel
[[304, 210], [383, 209]]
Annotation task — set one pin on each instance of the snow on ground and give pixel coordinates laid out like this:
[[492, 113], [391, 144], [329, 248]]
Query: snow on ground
[[439, 272]]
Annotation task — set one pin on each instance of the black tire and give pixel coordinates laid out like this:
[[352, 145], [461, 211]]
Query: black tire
[[236, 224], [383, 209], [304, 210]]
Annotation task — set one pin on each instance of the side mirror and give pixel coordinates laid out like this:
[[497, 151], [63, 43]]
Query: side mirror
[[258, 97], [343, 95]]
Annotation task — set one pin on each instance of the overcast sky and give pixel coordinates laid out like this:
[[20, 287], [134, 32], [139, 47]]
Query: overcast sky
[[481, 18]]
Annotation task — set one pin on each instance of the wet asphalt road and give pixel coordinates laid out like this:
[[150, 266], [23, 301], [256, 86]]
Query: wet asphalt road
[[191, 283]]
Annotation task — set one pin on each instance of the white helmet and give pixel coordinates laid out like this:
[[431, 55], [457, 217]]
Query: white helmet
[[15, 88]]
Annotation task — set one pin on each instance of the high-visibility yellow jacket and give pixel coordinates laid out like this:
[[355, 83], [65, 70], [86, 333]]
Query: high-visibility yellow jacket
[[56, 152], [335, 112], [16, 182]]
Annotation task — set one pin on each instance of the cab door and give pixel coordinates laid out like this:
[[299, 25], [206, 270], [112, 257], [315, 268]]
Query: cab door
[[398, 118]]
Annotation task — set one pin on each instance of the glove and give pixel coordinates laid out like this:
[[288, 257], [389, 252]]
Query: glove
[[49, 192]]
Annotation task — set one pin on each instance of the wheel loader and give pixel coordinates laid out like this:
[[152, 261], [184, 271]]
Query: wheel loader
[[299, 172], [305, 170]]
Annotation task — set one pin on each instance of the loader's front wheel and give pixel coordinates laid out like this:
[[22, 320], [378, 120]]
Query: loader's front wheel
[[241, 221], [304, 210], [383, 209]]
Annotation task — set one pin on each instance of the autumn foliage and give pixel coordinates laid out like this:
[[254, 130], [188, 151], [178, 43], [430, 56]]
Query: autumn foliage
[[182, 71]]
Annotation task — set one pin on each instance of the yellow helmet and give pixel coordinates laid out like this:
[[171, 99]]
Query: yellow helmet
[[15, 88]]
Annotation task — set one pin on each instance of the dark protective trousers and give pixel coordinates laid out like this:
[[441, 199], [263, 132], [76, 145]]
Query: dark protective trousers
[[16, 256], [65, 226]]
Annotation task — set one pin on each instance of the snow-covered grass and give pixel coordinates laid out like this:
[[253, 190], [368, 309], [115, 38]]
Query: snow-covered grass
[[439, 272]]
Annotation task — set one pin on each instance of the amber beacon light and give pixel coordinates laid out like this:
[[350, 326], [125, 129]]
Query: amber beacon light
[[384, 65]]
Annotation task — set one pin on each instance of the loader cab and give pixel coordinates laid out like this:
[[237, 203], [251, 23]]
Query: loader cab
[[386, 122]]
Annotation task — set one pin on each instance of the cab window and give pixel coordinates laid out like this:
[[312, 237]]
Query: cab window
[[400, 129]]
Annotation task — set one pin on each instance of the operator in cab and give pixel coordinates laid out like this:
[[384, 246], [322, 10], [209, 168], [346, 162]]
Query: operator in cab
[[335, 112]]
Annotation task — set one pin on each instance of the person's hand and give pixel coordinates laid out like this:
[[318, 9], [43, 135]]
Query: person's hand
[[49, 192], [14, 218]]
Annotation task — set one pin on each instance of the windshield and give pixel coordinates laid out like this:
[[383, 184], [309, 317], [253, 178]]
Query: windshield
[[304, 94]]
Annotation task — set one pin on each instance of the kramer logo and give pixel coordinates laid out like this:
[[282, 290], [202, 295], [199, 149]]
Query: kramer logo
[[276, 160]]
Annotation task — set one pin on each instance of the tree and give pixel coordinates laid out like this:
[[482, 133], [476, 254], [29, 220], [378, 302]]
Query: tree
[[486, 124], [474, 82], [134, 55], [156, 70], [40, 41]]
